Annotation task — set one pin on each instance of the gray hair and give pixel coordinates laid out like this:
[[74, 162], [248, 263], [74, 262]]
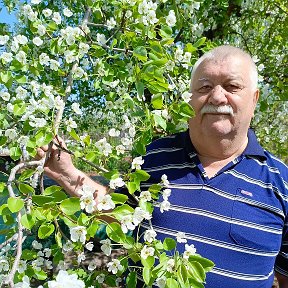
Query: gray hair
[[223, 52]]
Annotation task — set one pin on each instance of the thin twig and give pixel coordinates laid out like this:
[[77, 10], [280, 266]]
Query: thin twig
[[82, 158], [8, 241]]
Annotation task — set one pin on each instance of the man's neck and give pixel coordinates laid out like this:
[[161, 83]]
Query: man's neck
[[215, 152]]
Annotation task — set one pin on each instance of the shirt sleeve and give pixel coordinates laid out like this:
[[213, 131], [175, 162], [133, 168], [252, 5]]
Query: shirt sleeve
[[281, 264]]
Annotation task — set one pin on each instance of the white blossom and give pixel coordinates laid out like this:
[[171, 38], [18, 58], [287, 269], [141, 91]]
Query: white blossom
[[36, 245], [101, 39], [41, 30], [189, 251], [37, 122], [78, 233], [5, 96], [6, 57], [126, 223], [114, 132], [186, 96], [166, 193], [11, 133], [4, 39], [71, 124], [161, 282], [87, 201], [22, 266], [117, 182], [105, 202], [4, 265], [106, 246], [145, 196], [170, 265], [187, 57], [54, 65], [139, 215], [111, 23], [147, 251], [120, 149], [57, 18], [171, 18], [44, 59], [21, 39], [21, 57], [100, 278], [47, 12], [137, 162], [164, 206], [67, 12], [35, 1], [76, 108], [150, 235], [165, 180], [180, 237], [178, 55], [79, 73], [81, 257], [68, 246], [114, 266], [64, 280], [24, 284], [92, 265], [260, 67], [69, 56], [89, 246]]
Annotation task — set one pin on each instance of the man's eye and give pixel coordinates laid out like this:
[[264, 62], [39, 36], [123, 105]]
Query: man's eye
[[204, 89], [232, 88]]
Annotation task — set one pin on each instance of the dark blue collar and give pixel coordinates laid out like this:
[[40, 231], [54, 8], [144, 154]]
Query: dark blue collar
[[253, 148]]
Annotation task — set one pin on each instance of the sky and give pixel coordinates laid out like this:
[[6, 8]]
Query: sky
[[5, 17]]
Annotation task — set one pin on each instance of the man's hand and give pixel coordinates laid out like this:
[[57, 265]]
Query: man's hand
[[282, 280], [59, 162], [59, 167]]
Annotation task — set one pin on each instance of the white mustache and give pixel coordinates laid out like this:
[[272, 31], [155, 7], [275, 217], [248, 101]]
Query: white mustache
[[224, 109]]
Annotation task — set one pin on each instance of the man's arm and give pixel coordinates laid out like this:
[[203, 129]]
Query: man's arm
[[282, 280], [60, 168]]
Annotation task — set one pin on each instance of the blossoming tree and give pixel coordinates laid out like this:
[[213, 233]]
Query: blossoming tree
[[110, 76]]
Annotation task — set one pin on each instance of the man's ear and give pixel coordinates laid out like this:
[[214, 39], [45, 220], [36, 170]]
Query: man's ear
[[256, 96]]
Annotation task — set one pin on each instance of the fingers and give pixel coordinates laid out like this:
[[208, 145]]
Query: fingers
[[40, 154]]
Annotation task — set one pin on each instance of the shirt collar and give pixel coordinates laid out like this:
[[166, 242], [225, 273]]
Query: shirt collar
[[253, 147]]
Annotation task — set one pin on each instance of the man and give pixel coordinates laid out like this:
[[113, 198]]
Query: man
[[229, 196]]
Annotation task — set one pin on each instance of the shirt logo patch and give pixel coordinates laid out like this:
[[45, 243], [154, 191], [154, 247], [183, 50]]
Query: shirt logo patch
[[247, 193]]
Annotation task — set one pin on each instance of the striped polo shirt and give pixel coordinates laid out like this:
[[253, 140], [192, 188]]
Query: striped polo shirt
[[238, 218]]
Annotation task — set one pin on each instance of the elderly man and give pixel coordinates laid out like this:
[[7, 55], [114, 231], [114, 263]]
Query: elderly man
[[229, 196]]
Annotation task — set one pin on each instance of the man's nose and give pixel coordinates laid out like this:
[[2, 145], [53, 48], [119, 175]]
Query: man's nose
[[217, 95]]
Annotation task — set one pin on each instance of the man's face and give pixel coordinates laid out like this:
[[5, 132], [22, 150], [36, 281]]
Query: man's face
[[223, 97]]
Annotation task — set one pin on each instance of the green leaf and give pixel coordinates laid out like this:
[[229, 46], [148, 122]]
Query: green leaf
[[200, 42], [26, 189], [205, 263], [169, 244], [141, 175], [45, 230], [131, 280], [140, 88], [141, 53], [132, 187], [123, 210], [118, 198], [28, 254], [146, 274], [43, 137], [157, 101], [5, 76], [160, 121], [21, 79], [26, 174], [19, 109], [190, 48], [186, 110], [115, 232], [52, 189], [74, 135], [196, 271], [15, 153], [140, 147], [40, 275], [28, 221], [98, 51], [15, 204], [70, 206], [172, 283], [166, 31], [41, 200], [148, 262]]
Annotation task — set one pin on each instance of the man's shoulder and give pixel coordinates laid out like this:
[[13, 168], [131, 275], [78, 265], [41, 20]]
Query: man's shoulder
[[276, 162], [171, 141]]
